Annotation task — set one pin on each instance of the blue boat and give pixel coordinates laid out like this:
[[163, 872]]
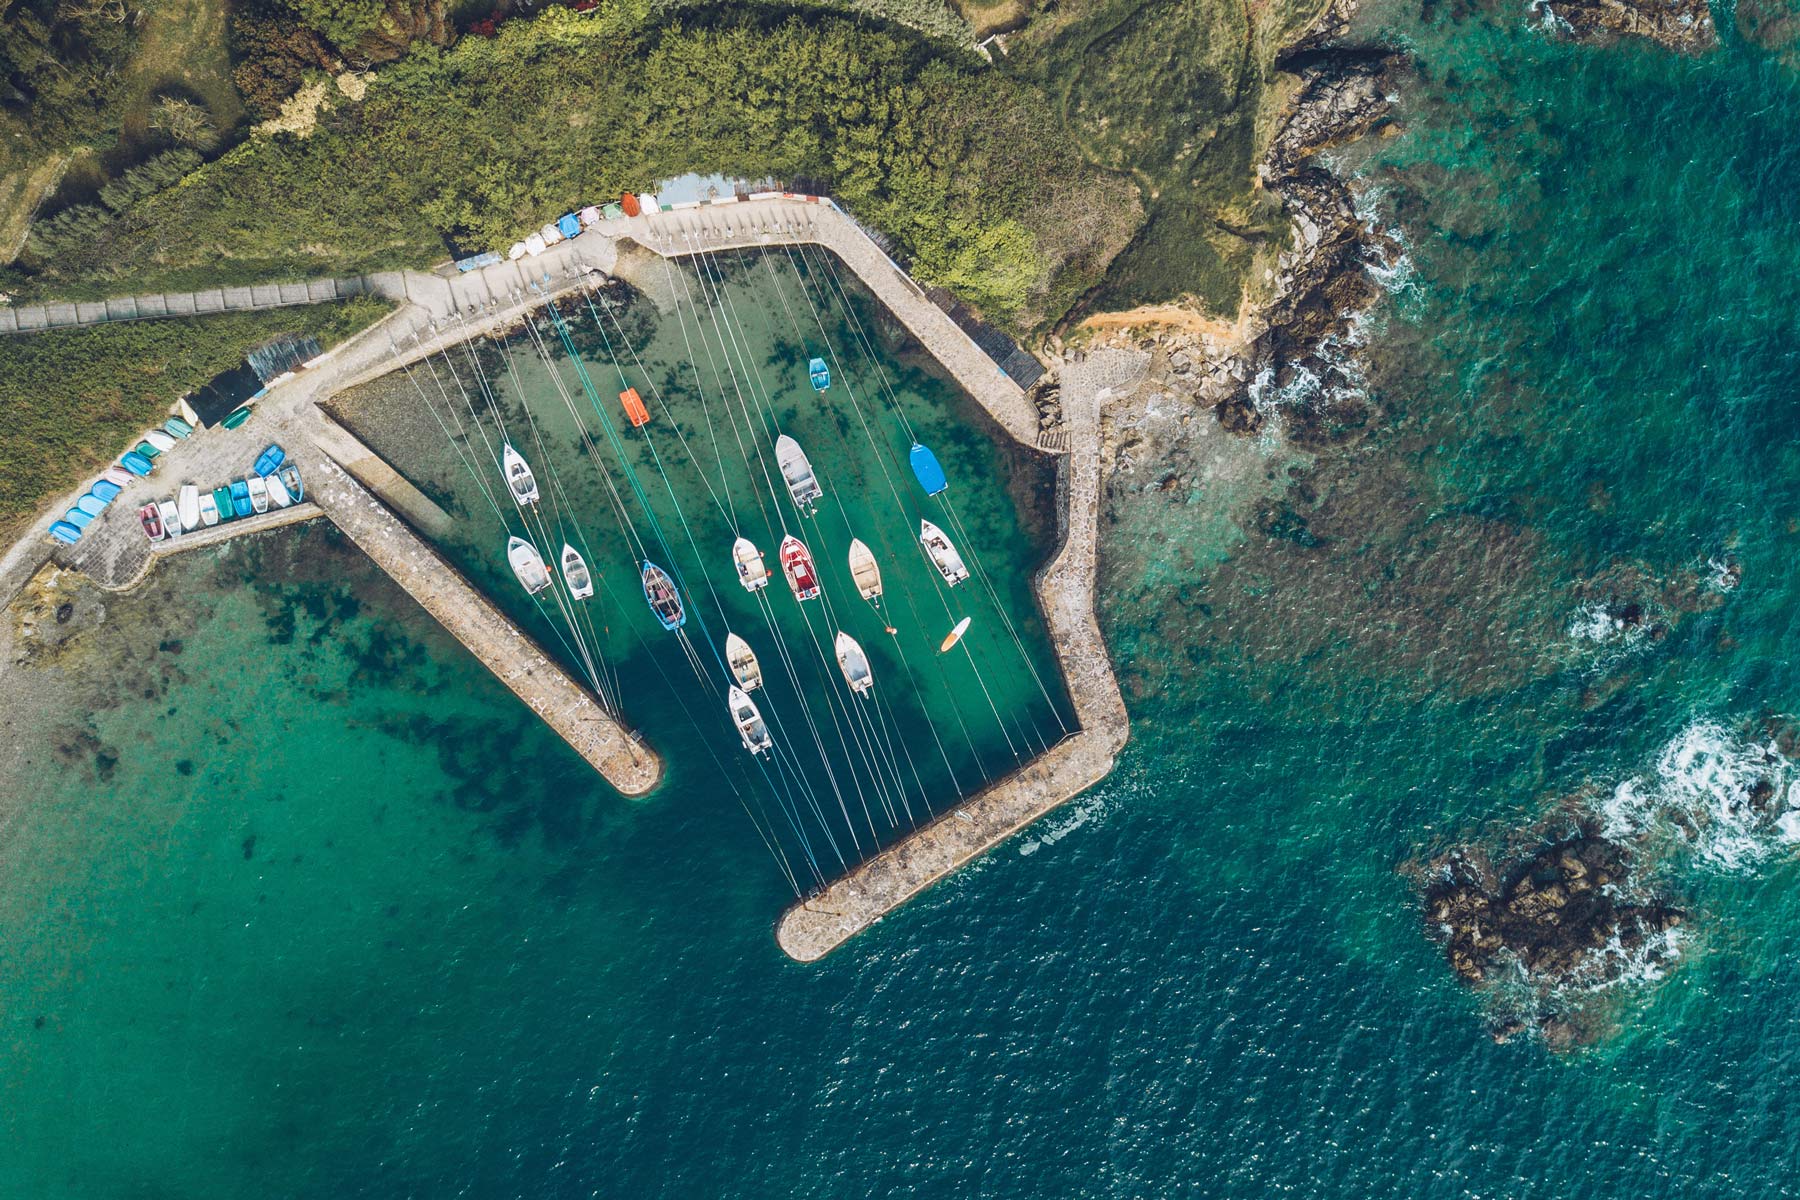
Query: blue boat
[[820, 373], [928, 470], [136, 463], [176, 427], [91, 504], [269, 460], [65, 533], [240, 498], [106, 490], [664, 598], [78, 519]]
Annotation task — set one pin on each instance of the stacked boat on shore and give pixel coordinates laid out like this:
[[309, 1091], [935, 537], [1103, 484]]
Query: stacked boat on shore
[[270, 485]]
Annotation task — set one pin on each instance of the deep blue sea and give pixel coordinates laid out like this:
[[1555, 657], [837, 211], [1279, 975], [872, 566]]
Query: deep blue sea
[[308, 906]]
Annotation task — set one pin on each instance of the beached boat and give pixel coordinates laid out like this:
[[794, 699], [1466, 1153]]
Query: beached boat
[[797, 565], [162, 441], [171, 518], [259, 493], [751, 571], [187, 506], [90, 505], [742, 659], [65, 533], [106, 490], [290, 478], [576, 574], [819, 373], [797, 470], [527, 564], [209, 508], [222, 501], [749, 722], [178, 427], [240, 499], [147, 451], [78, 517], [865, 571], [927, 469], [854, 663], [270, 459], [236, 417], [519, 479], [136, 463], [955, 635], [663, 597], [118, 475], [278, 493], [943, 555]]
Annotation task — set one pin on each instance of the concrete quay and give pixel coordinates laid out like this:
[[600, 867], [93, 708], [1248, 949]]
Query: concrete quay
[[819, 924]]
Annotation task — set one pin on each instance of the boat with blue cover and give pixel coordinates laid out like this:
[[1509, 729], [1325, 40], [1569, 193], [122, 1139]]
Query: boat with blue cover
[[240, 498], [79, 519], [927, 470], [819, 373], [65, 533], [136, 463], [664, 598], [106, 490], [269, 460], [91, 504]]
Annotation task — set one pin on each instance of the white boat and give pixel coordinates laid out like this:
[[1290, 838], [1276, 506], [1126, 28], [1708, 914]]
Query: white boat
[[187, 507], [527, 564], [797, 470], [209, 509], [744, 667], [519, 479], [865, 571], [955, 635], [752, 572], [279, 496], [162, 441], [943, 555], [853, 663], [749, 723], [575, 573], [259, 492], [171, 517]]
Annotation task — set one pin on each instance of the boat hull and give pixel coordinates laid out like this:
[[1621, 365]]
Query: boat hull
[[663, 597]]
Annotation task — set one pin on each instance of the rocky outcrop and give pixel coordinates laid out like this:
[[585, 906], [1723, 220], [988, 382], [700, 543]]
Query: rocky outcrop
[[1684, 26]]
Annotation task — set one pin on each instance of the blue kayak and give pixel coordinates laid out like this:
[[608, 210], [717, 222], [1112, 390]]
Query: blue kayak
[[819, 373], [928, 470], [65, 533], [91, 504], [136, 463], [240, 498], [106, 490]]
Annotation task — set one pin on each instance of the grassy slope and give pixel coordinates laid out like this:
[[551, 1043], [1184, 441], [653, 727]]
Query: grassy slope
[[75, 398]]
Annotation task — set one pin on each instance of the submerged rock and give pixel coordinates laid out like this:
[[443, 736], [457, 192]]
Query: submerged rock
[[1684, 26]]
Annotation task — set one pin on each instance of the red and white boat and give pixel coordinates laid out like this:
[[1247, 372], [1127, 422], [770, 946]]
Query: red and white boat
[[150, 517], [797, 565]]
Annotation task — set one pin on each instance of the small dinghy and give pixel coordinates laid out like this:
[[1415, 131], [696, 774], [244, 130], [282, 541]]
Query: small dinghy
[[955, 635], [91, 505], [575, 573], [279, 496], [146, 451], [209, 508], [65, 532], [854, 664], [259, 493], [105, 490], [171, 518], [819, 373], [527, 564], [797, 565], [270, 459], [162, 441], [927, 470], [136, 463], [751, 571], [664, 598], [240, 498], [865, 571], [943, 555], [222, 500], [797, 470], [290, 478], [187, 506], [79, 517], [178, 427], [749, 723], [236, 417], [742, 659], [519, 479], [118, 475]]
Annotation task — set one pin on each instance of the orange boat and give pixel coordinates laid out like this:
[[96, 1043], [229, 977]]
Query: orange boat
[[629, 203], [634, 407]]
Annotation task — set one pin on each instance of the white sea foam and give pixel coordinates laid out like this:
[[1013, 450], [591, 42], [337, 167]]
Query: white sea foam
[[1063, 825], [1593, 623], [1722, 576]]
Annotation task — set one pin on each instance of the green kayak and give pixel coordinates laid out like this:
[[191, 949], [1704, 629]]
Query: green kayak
[[236, 417], [222, 498]]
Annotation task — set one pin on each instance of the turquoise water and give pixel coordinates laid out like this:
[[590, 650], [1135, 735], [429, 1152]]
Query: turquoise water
[[451, 964]]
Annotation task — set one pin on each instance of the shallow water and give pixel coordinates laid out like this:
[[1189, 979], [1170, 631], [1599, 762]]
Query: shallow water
[[451, 964]]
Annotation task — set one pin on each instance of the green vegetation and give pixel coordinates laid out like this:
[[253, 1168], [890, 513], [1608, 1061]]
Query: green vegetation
[[74, 398]]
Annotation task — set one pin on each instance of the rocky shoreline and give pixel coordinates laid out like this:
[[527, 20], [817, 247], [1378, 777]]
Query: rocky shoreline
[[1684, 26]]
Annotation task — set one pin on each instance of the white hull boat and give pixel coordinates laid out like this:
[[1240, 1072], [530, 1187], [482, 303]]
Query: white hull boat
[[797, 470], [171, 518], [209, 509], [576, 574], [752, 572], [162, 441], [279, 496], [865, 571], [744, 667], [519, 479], [259, 493], [527, 564], [187, 507], [943, 554], [749, 723], [854, 664]]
